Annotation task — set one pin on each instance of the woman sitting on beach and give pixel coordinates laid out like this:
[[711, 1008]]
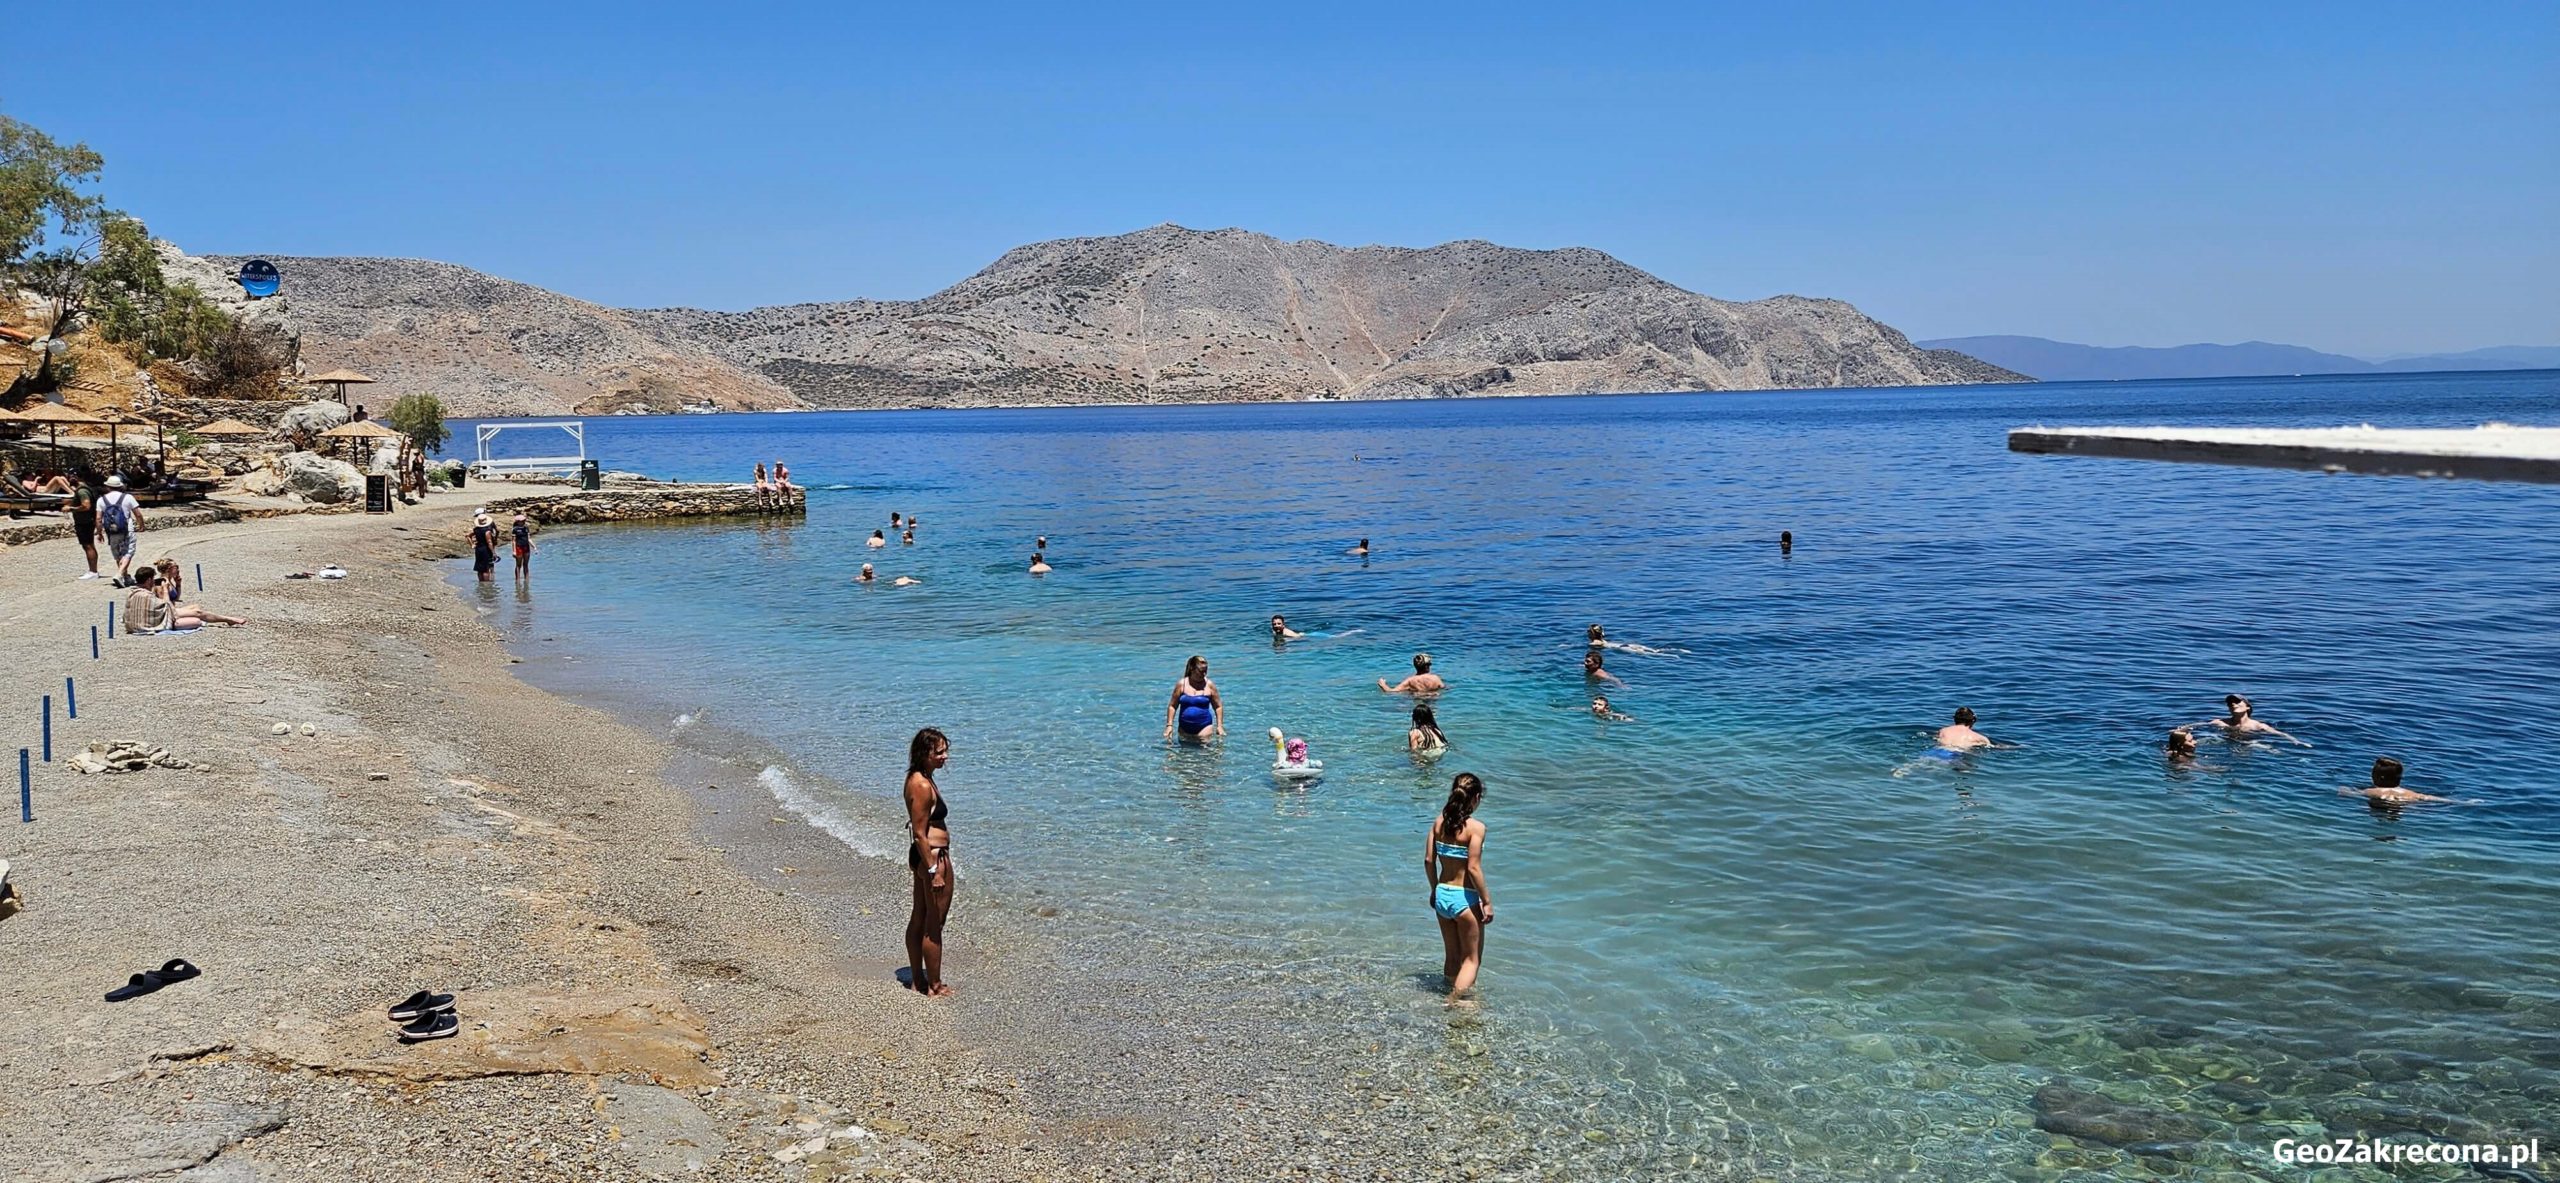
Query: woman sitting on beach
[[1195, 706], [1453, 861], [146, 610], [1426, 738], [929, 857], [2242, 722]]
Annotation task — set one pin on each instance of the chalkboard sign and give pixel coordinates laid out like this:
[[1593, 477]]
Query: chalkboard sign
[[258, 277], [377, 493]]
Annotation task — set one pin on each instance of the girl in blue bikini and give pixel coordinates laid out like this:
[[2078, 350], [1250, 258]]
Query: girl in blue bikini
[[1453, 860], [1194, 706]]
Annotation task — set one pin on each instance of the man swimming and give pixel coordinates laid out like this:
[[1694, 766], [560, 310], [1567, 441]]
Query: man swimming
[[878, 540], [2386, 788], [1960, 735], [1600, 709], [1362, 550], [1280, 630], [2242, 722], [1422, 680], [866, 576], [1039, 564], [1592, 671]]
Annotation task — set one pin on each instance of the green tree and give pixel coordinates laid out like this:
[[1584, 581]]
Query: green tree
[[421, 418], [43, 190]]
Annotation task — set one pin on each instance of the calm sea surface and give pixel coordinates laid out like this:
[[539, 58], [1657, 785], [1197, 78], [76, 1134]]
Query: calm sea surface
[[1749, 926]]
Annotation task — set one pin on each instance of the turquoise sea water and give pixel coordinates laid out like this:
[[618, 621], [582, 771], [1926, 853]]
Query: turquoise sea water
[[1728, 929]]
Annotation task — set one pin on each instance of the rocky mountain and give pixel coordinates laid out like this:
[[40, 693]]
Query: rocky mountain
[[1165, 314]]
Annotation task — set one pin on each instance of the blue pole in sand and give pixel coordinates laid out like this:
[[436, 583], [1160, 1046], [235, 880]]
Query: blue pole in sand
[[111, 620], [70, 696], [199, 579], [26, 789], [93, 642], [48, 729]]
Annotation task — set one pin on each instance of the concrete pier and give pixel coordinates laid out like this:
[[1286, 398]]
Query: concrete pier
[[2494, 452]]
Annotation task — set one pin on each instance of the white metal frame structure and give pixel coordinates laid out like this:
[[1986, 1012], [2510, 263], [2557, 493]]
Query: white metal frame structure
[[488, 466]]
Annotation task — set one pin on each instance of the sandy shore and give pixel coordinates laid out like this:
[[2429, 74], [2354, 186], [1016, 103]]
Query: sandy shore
[[660, 974]]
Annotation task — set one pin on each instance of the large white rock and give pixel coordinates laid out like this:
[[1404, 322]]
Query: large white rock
[[319, 479], [313, 418]]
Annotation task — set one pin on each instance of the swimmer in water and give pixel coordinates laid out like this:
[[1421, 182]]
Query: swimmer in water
[[2386, 790], [893, 519], [866, 576], [1426, 738], [1600, 640], [1361, 550], [1591, 669], [908, 538], [1195, 706], [1422, 681], [1961, 737], [904, 581], [1280, 630], [1786, 542], [2182, 747], [2242, 722], [1600, 709], [1039, 565], [878, 540]]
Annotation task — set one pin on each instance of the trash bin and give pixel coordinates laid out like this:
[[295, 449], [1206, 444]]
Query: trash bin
[[590, 477], [458, 472]]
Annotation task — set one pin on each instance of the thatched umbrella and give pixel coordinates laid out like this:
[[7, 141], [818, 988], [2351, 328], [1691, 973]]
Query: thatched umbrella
[[361, 429], [340, 378], [55, 417], [116, 420], [228, 429]]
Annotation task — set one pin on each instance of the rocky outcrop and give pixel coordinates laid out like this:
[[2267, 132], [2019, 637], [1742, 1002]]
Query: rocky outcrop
[[319, 479], [310, 419], [1165, 314], [644, 502]]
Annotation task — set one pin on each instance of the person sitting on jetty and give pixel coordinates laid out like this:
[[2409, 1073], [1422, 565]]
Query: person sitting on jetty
[[1426, 738], [1280, 630], [147, 610], [878, 540], [1039, 564], [1422, 680], [1592, 670], [781, 480], [1960, 735], [2386, 788], [2242, 723], [1600, 709], [1195, 706], [764, 488], [1453, 864], [865, 576]]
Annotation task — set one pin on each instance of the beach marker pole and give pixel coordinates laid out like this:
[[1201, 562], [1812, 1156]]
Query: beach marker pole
[[199, 579], [93, 642], [111, 620], [48, 729], [70, 697], [26, 790]]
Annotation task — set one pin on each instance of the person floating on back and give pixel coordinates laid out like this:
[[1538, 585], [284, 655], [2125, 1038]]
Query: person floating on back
[[2386, 791], [2242, 722], [1421, 681]]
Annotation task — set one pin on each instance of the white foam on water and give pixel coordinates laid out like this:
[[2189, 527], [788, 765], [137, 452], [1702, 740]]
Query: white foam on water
[[838, 822]]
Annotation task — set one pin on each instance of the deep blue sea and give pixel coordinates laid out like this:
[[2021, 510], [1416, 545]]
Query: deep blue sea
[[1751, 925]]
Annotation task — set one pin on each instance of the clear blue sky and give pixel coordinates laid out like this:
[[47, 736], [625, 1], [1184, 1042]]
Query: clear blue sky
[[2363, 177]]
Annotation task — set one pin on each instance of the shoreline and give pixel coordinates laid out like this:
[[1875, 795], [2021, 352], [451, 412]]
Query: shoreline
[[657, 972]]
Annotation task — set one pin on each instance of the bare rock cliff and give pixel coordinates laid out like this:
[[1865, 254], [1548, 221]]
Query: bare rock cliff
[[1165, 314]]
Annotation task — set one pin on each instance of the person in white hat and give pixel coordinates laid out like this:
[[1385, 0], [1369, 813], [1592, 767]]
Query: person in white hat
[[484, 546], [120, 518]]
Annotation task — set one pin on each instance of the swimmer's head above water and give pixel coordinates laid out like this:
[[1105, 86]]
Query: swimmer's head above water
[[1422, 663], [1964, 716], [1597, 636], [1600, 705], [2386, 773], [865, 577], [2181, 744], [2238, 706]]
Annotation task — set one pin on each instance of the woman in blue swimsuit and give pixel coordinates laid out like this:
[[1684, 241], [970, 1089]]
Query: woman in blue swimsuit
[[1453, 860], [1195, 707]]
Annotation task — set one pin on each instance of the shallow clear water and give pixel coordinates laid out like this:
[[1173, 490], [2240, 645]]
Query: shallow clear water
[[1728, 928]]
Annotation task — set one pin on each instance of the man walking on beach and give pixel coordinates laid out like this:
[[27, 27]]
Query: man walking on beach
[[120, 518]]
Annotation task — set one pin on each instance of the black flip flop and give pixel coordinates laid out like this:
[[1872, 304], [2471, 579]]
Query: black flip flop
[[420, 1005], [440, 1025], [177, 970]]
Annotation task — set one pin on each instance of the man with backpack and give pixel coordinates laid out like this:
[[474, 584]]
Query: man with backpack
[[120, 519]]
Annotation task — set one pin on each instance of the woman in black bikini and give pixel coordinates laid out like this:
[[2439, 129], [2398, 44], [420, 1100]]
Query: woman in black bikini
[[929, 856]]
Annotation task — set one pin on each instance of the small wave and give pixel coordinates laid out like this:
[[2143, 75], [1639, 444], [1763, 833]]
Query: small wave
[[685, 720], [838, 822]]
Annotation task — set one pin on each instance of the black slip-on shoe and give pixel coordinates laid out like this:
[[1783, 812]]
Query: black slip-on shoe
[[440, 1025], [420, 1005]]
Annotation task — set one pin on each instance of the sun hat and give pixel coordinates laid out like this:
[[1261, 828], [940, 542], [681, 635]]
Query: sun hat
[[115, 482]]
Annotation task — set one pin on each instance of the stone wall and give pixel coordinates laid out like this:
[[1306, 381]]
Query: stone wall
[[40, 527], [255, 412], [632, 503]]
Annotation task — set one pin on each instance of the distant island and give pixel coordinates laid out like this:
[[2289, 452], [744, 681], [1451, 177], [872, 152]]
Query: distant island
[[1161, 315], [2063, 361]]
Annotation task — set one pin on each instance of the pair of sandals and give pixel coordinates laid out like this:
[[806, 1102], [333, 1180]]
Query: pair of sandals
[[150, 981], [425, 1015]]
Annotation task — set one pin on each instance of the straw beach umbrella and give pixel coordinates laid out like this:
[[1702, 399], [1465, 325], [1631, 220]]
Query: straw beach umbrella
[[361, 429], [341, 378], [55, 417]]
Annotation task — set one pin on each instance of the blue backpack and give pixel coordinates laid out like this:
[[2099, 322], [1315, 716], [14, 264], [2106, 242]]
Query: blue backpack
[[111, 513]]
